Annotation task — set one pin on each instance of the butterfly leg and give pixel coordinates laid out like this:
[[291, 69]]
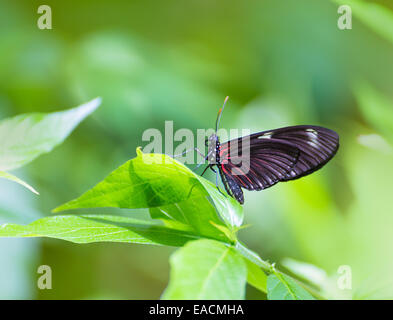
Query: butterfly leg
[[193, 149], [216, 172], [204, 170], [187, 151], [201, 163]]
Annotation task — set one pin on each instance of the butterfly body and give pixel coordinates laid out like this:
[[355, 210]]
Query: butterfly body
[[213, 153], [231, 187]]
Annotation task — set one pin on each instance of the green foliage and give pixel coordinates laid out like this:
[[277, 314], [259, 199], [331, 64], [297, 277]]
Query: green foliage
[[255, 276], [177, 196], [281, 62], [98, 228], [11, 177], [25, 137], [190, 208], [187, 215], [306, 271], [282, 287], [159, 181], [206, 269], [147, 181]]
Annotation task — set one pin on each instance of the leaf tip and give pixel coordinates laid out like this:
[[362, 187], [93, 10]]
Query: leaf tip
[[139, 151], [57, 209], [30, 188], [94, 104]]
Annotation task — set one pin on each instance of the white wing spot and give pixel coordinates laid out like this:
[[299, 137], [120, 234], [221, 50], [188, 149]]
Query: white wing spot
[[266, 135], [312, 131], [313, 135]]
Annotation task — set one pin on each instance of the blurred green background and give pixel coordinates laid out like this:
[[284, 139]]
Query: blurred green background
[[281, 62]]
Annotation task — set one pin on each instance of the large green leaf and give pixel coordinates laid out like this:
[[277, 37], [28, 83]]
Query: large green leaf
[[283, 287], [256, 267], [196, 215], [255, 276], [98, 228], [24, 137], [230, 210], [149, 180], [206, 269], [157, 180]]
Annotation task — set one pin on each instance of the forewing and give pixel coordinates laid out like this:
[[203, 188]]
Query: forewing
[[257, 165], [316, 145], [277, 155]]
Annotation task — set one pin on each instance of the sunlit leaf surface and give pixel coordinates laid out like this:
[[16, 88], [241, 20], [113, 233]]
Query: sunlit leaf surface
[[98, 228], [24, 137], [157, 180], [206, 269], [255, 276], [282, 287]]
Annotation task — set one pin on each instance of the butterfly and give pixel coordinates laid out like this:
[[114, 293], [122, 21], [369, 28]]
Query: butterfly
[[260, 160]]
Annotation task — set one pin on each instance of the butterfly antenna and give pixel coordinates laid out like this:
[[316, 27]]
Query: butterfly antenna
[[220, 113]]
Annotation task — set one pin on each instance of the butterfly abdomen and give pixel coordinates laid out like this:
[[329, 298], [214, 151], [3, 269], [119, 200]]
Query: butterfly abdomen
[[232, 188]]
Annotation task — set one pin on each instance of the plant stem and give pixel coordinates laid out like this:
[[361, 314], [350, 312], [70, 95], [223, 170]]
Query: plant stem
[[271, 269]]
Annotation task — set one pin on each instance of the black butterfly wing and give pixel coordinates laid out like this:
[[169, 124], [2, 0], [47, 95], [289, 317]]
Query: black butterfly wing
[[278, 155], [258, 164], [316, 145]]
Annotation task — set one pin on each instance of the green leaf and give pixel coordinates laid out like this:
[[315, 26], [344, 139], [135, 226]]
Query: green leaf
[[255, 266], [196, 215], [11, 177], [206, 269], [324, 287], [89, 228], [377, 17], [306, 271], [149, 180], [283, 287], [287, 288], [253, 257], [255, 276], [230, 210], [25, 137], [157, 180]]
